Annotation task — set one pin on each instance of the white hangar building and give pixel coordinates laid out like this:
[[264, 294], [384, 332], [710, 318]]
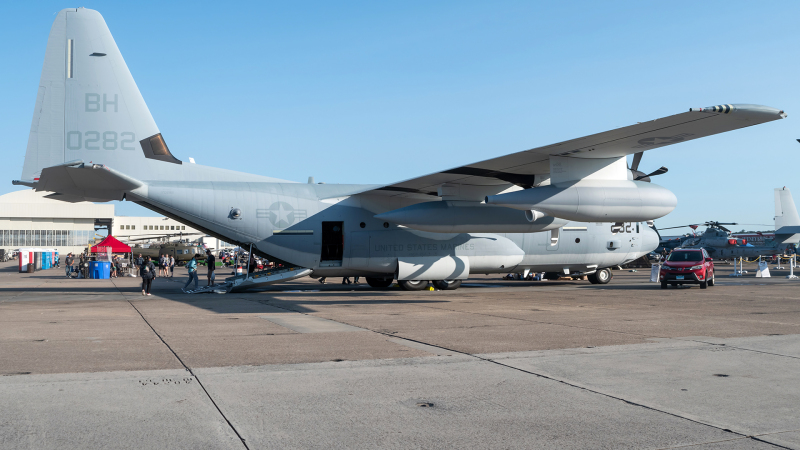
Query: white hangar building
[[125, 228], [30, 219]]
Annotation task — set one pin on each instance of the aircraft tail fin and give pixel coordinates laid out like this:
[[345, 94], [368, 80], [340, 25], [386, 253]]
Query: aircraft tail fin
[[787, 221], [88, 107]]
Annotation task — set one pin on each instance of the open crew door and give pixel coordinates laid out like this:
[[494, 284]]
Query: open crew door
[[332, 244]]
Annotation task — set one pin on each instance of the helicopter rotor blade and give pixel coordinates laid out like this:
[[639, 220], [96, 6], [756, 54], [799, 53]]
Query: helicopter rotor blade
[[681, 226], [158, 236]]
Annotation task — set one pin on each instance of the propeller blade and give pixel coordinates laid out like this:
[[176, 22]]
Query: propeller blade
[[637, 158], [652, 225], [661, 170]]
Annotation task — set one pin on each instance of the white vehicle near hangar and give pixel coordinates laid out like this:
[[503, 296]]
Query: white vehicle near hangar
[[572, 207]]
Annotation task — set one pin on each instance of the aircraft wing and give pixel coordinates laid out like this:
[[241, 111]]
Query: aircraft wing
[[529, 167]]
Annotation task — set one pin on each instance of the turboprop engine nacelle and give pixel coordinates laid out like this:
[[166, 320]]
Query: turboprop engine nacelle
[[593, 201], [469, 217]]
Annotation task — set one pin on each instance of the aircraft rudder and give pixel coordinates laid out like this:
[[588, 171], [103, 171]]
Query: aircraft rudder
[[785, 209]]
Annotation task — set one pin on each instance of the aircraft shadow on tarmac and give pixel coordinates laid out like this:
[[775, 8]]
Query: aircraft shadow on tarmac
[[290, 302], [302, 298], [61, 289]]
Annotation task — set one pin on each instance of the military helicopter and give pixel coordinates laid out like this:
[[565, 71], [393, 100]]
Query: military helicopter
[[182, 251], [719, 243]]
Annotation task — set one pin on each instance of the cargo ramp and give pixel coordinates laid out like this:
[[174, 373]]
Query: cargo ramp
[[254, 280]]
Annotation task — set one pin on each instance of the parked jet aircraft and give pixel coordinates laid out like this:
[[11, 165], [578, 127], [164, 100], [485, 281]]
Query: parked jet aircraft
[[719, 243], [570, 207]]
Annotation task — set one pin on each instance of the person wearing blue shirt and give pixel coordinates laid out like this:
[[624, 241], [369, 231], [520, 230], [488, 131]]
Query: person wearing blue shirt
[[191, 266]]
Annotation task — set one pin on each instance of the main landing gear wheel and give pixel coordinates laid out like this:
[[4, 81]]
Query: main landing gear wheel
[[447, 285], [379, 282], [409, 285], [602, 276]]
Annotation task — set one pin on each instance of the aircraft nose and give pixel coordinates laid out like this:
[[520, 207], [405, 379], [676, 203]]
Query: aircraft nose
[[649, 240]]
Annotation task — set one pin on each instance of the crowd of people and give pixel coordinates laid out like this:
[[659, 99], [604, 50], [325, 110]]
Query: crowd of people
[[164, 266], [233, 258], [69, 261]]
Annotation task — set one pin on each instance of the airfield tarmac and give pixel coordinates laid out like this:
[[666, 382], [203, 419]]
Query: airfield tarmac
[[495, 364]]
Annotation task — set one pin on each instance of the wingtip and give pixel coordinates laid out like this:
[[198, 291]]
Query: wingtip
[[28, 183], [742, 108]]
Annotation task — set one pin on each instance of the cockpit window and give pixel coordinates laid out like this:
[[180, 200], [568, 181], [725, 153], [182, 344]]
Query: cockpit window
[[685, 256]]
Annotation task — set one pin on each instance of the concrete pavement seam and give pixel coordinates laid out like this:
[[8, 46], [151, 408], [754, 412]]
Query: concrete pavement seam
[[567, 383], [705, 443], [606, 330], [564, 382], [736, 348], [188, 369]]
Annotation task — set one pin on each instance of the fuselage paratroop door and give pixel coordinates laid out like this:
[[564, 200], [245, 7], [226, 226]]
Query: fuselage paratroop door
[[332, 244]]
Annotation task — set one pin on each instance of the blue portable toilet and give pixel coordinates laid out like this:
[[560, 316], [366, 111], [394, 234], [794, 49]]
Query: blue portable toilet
[[99, 270], [45, 260]]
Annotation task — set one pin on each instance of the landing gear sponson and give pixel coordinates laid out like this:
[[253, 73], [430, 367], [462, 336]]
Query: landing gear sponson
[[601, 276]]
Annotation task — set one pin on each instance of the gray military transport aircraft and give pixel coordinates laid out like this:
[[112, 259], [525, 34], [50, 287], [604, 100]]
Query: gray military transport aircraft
[[573, 207]]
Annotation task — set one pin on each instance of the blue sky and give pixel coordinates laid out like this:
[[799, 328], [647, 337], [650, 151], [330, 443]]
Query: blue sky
[[376, 92]]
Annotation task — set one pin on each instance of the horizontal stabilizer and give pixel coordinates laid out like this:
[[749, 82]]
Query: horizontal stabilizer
[[84, 182], [788, 235], [792, 229], [66, 198]]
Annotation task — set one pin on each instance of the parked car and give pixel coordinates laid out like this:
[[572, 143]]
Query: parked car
[[684, 266]]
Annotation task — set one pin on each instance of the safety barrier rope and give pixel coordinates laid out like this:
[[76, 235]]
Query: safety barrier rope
[[780, 258]]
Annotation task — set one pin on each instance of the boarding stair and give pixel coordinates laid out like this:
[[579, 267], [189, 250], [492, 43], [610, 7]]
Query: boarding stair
[[253, 280]]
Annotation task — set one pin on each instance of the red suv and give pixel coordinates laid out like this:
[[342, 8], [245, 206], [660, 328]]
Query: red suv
[[687, 266]]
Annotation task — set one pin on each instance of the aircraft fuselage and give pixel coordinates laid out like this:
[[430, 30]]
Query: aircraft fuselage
[[333, 230]]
